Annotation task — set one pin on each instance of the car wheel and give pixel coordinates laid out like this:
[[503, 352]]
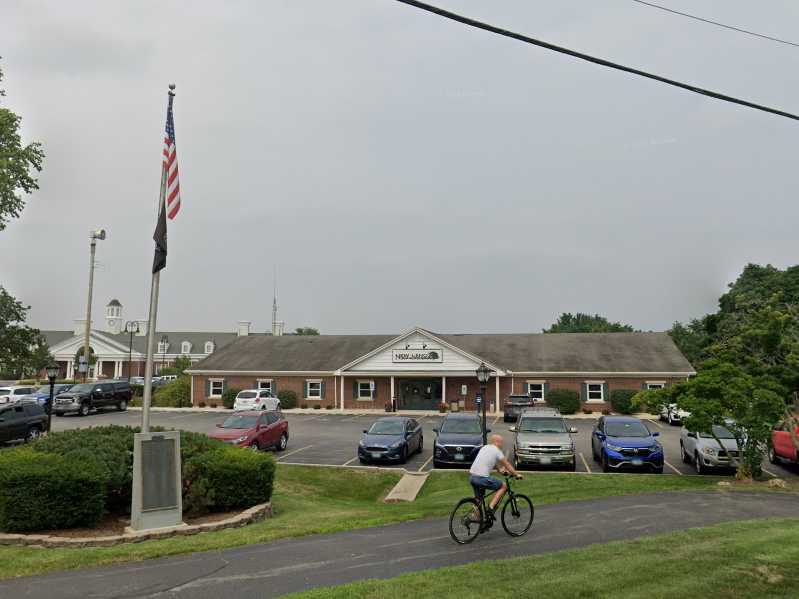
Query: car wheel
[[773, 457], [605, 464], [33, 433], [283, 442], [686, 459], [84, 409], [404, 454], [700, 469], [255, 446], [362, 461], [421, 444], [573, 466], [593, 453], [58, 414], [658, 470], [122, 405], [437, 464]]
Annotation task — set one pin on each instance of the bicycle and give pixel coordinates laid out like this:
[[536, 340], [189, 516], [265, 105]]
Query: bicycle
[[472, 516]]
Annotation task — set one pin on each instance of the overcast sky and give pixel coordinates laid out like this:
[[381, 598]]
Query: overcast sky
[[396, 168]]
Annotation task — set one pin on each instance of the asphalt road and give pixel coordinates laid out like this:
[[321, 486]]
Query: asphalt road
[[273, 569], [321, 437]]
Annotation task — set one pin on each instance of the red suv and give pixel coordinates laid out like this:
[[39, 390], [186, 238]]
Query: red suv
[[254, 429], [782, 447]]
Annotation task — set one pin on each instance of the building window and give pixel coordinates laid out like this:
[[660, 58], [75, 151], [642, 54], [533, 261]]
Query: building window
[[658, 385], [162, 347], [313, 389], [365, 389], [216, 387], [535, 390], [209, 347], [185, 347], [265, 384], [596, 391]]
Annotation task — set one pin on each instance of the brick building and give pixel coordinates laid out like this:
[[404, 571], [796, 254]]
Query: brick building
[[419, 370]]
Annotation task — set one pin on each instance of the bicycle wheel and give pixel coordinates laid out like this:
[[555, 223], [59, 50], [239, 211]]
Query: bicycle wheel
[[466, 521], [517, 515]]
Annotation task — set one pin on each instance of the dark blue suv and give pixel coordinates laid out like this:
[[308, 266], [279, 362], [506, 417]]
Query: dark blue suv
[[624, 442], [459, 438]]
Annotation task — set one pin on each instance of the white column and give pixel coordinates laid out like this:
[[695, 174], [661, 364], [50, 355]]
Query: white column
[[496, 396], [70, 369], [98, 369], [392, 391], [342, 392], [117, 369], [444, 389]]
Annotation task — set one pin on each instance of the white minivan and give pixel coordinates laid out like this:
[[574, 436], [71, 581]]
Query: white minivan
[[256, 399]]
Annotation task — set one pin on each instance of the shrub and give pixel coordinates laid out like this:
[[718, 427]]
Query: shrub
[[328, 407], [213, 404], [622, 400], [565, 400], [225, 479], [39, 491], [288, 399], [201, 404], [176, 394], [137, 390], [317, 407], [229, 398]]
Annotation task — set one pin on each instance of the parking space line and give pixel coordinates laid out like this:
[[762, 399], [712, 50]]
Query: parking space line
[[422, 467], [769, 472], [495, 421], [285, 455], [672, 467], [348, 462], [585, 463]]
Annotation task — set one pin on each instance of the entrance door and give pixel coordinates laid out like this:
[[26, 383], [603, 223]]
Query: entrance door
[[419, 394]]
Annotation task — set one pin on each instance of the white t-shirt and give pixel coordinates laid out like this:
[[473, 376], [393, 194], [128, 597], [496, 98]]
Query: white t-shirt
[[486, 460]]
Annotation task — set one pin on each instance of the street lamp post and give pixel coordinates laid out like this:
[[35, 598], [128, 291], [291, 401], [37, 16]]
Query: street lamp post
[[131, 327], [483, 374], [93, 237], [52, 374]]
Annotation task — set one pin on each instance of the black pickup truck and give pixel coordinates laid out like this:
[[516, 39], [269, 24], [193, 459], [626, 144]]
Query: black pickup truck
[[84, 398], [22, 420]]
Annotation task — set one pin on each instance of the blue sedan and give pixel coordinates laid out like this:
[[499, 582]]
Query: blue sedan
[[43, 394], [391, 439], [624, 442]]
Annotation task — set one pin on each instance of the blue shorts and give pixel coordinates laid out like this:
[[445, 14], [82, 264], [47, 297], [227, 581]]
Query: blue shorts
[[487, 482]]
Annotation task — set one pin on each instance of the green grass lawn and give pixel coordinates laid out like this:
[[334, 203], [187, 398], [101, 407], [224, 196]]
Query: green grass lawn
[[742, 559], [310, 500]]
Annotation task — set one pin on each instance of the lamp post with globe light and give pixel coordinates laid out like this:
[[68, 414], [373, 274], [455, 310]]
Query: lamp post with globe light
[[483, 374], [52, 374], [131, 327]]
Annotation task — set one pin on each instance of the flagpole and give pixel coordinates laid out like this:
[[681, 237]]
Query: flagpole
[[151, 323]]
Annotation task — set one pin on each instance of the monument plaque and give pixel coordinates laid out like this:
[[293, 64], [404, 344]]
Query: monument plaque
[[157, 501]]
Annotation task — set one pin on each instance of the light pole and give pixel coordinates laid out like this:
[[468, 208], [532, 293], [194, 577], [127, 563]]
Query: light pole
[[52, 374], [93, 237], [131, 327], [483, 374]]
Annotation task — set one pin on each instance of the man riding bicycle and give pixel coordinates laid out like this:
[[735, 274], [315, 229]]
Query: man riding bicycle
[[486, 461]]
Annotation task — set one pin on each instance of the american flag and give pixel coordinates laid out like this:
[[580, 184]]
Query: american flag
[[171, 165]]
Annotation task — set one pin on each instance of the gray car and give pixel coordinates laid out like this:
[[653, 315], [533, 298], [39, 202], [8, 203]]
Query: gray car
[[543, 439], [704, 452]]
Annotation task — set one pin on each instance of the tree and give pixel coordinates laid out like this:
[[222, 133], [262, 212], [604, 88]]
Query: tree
[[692, 339], [17, 161], [306, 331], [19, 343], [182, 363], [585, 323]]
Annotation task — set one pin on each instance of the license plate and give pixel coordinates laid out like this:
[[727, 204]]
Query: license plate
[[545, 460], [375, 455], [638, 462], [458, 457]]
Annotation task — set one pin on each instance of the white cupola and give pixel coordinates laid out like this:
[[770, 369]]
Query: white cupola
[[113, 317]]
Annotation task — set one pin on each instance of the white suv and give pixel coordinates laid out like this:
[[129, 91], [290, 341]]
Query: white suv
[[15, 393], [256, 399]]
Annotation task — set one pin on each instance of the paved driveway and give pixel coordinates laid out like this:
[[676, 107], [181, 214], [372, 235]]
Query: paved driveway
[[322, 437]]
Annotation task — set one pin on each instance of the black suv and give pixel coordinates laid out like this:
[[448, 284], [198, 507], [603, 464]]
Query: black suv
[[22, 420], [86, 397]]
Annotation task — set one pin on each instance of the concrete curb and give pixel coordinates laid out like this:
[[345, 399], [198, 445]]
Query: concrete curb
[[248, 516]]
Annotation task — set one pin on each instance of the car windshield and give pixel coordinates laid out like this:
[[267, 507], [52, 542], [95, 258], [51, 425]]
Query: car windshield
[[386, 427], [626, 429], [247, 395], [463, 426], [240, 422], [722, 432], [542, 425], [5, 391], [82, 387]]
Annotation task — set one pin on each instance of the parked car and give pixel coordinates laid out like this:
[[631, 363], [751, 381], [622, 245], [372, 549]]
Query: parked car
[[167, 378], [137, 380], [542, 439], [782, 448], [22, 420], [14, 393], [515, 405], [43, 394], [704, 452], [624, 442], [85, 397], [458, 439], [256, 399], [254, 429], [392, 439], [672, 414]]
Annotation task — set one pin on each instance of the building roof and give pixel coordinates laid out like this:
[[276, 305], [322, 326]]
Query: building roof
[[196, 338], [113, 302], [535, 352]]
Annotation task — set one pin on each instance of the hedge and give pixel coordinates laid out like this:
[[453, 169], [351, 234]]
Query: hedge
[[175, 394], [622, 400], [226, 479], [288, 399], [565, 400], [229, 398], [46, 491]]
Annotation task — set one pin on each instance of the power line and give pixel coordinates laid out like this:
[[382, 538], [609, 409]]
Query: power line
[[718, 24], [587, 57]]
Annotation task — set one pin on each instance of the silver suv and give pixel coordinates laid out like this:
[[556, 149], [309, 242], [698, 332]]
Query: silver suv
[[704, 452], [543, 439]]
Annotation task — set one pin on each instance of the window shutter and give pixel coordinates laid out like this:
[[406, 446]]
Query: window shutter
[[546, 391], [584, 392], [224, 386], [322, 389], [274, 387], [305, 393], [354, 389], [606, 392], [643, 385], [207, 387], [374, 391], [527, 389]]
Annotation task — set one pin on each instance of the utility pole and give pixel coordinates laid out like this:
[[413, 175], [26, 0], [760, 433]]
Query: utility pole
[[93, 236]]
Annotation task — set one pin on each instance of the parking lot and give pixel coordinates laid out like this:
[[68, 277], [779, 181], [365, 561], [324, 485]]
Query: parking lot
[[331, 439]]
